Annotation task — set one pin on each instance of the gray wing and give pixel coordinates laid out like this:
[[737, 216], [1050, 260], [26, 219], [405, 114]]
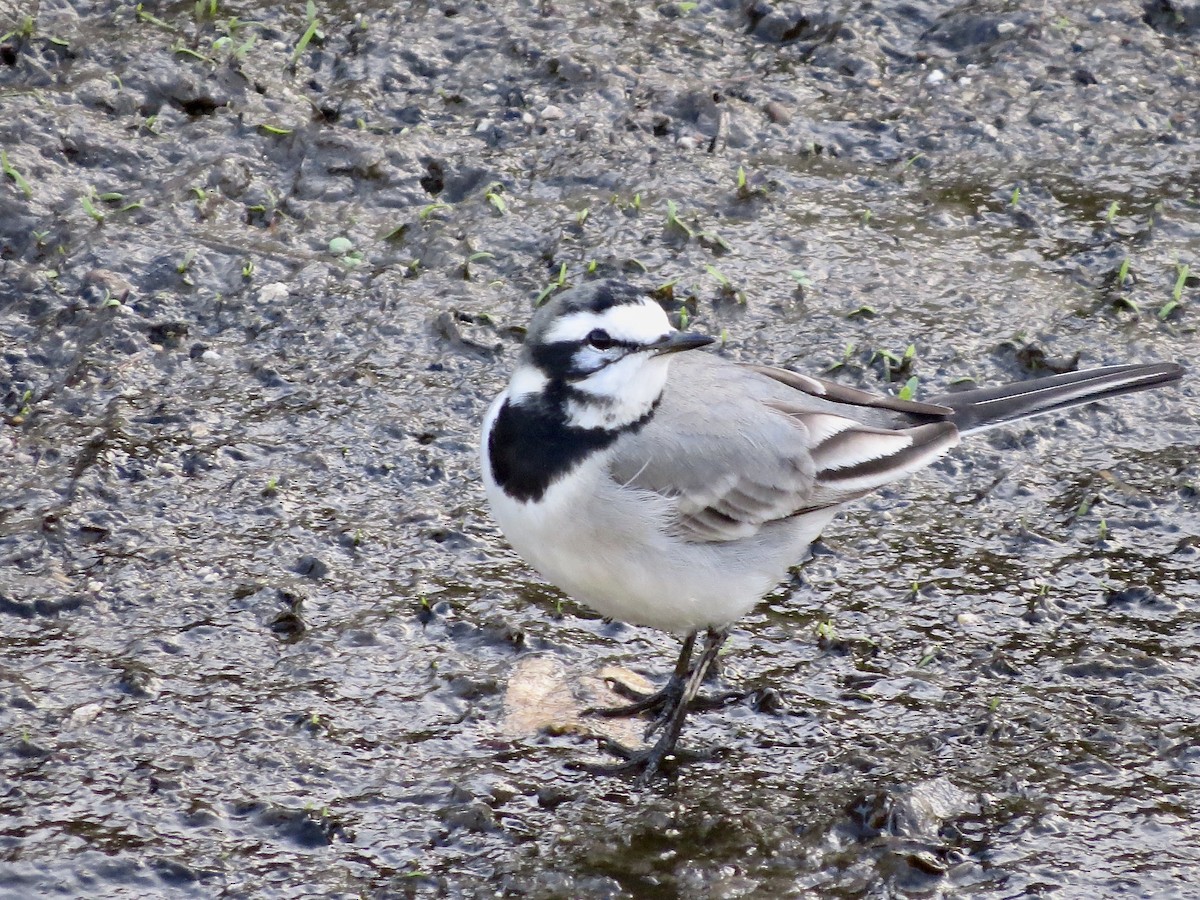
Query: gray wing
[[738, 447]]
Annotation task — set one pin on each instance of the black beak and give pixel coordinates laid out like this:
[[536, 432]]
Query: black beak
[[678, 341]]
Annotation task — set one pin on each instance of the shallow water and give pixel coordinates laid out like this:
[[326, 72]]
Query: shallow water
[[258, 636]]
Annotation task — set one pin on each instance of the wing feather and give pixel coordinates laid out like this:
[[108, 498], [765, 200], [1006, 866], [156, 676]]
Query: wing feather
[[735, 448]]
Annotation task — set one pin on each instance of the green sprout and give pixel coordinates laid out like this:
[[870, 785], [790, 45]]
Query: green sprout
[[180, 47], [430, 209], [744, 190], [87, 201], [183, 267], [24, 31], [673, 219], [553, 286], [847, 357], [712, 241], [493, 194], [803, 282], [720, 277], [152, 19], [10, 171], [313, 30], [1177, 292], [893, 364], [1184, 272], [343, 248]]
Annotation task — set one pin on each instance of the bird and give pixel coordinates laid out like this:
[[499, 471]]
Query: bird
[[673, 489]]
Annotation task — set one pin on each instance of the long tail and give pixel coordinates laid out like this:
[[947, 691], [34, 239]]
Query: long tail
[[984, 408]]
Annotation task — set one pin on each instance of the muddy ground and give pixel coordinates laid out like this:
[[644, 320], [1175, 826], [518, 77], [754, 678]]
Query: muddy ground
[[262, 269]]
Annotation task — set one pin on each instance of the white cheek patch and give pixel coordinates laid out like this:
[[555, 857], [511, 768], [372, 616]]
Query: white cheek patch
[[624, 391], [639, 323], [526, 380]]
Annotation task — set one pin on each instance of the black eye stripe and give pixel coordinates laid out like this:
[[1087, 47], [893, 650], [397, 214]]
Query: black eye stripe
[[563, 359], [628, 345]]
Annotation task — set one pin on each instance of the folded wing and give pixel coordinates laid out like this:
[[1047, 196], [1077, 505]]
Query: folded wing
[[732, 466]]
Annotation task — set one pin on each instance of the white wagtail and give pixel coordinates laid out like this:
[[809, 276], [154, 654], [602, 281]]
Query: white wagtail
[[675, 492]]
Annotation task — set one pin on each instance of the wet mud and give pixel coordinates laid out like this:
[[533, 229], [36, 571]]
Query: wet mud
[[263, 268]]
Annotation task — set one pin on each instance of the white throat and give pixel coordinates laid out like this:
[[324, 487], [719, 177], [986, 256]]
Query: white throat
[[619, 394]]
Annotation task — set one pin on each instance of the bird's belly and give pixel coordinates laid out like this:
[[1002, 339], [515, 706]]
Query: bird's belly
[[611, 549]]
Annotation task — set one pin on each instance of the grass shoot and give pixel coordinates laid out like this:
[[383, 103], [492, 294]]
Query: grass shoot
[[313, 30], [11, 172]]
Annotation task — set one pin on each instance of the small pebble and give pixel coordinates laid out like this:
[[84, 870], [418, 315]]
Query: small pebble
[[777, 112], [552, 112], [937, 76], [274, 292]]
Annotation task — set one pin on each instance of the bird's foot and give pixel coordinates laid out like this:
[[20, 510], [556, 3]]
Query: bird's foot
[[662, 701], [670, 706], [646, 762], [656, 702]]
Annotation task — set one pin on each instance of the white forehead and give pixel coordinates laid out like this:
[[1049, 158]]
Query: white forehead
[[638, 322]]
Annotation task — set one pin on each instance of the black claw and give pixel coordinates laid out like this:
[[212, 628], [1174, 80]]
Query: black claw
[[671, 705], [646, 762], [668, 696]]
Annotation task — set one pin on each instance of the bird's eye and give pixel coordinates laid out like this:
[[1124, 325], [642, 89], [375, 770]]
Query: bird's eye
[[600, 339]]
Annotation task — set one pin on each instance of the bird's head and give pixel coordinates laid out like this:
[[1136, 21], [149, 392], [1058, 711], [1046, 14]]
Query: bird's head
[[602, 349]]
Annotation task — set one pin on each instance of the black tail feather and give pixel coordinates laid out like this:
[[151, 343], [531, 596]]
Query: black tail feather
[[976, 410]]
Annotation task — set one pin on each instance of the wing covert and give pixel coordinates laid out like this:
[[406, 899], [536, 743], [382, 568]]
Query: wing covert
[[732, 466]]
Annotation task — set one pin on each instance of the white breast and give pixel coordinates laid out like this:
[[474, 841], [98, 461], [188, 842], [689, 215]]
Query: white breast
[[611, 548]]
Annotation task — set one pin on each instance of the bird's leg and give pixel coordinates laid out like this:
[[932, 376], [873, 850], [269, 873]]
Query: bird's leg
[[650, 759], [664, 698], [714, 639], [661, 699]]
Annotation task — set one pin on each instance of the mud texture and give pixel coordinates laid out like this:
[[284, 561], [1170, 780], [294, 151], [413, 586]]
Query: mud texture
[[258, 636]]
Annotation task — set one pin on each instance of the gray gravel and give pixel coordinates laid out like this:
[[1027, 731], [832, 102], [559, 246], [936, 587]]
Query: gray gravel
[[258, 636]]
